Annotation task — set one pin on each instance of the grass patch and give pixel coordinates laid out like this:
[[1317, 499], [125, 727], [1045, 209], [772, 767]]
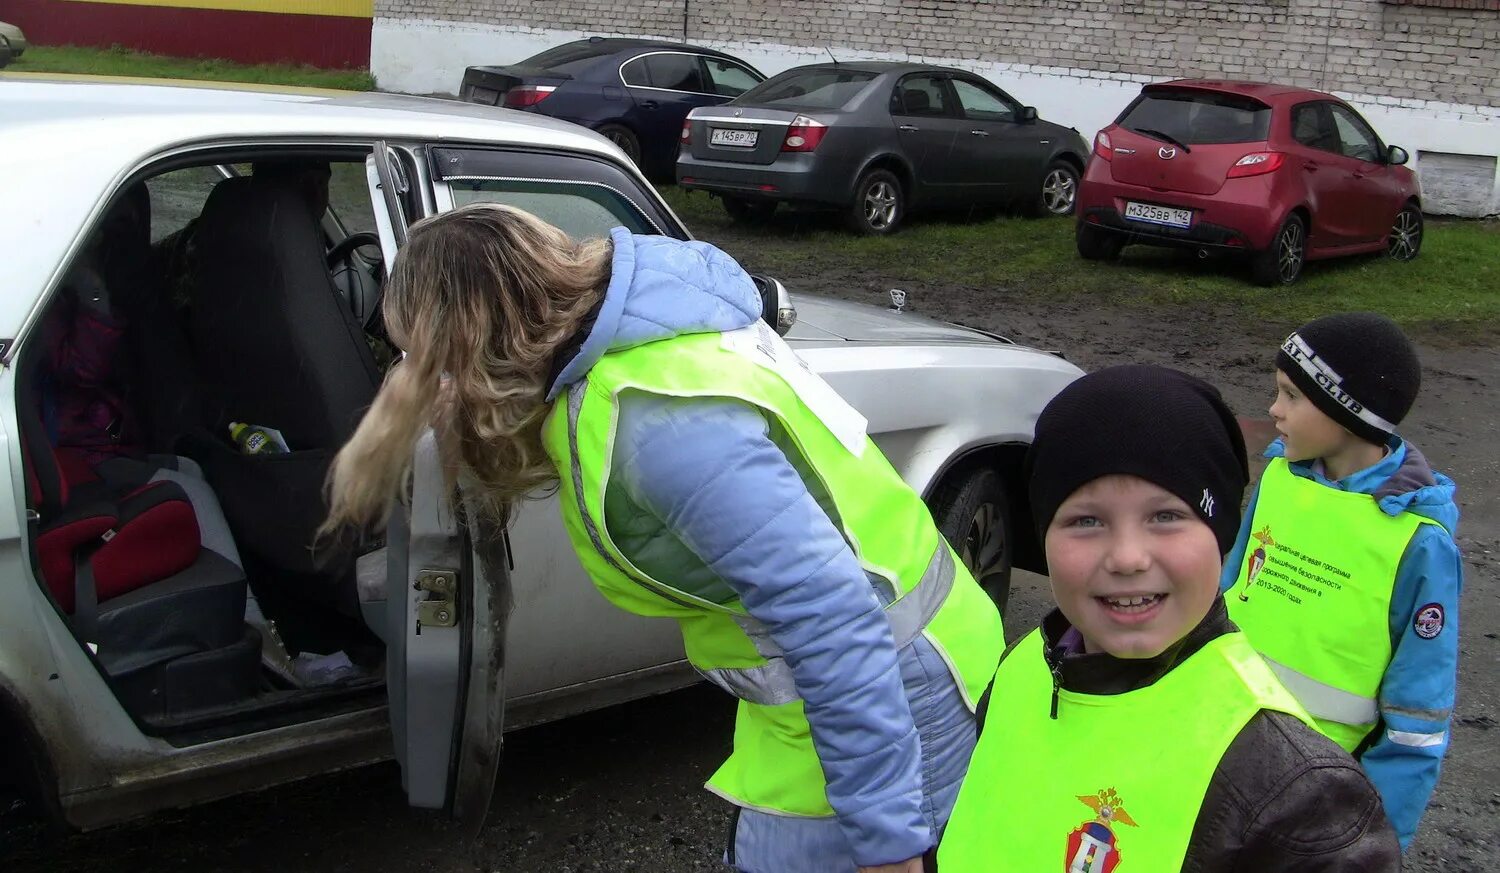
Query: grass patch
[[1455, 280], [125, 62]]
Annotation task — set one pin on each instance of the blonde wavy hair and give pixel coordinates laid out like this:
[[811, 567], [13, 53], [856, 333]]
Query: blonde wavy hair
[[479, 299]]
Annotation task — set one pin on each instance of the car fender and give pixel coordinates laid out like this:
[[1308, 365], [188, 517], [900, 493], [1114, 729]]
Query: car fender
[[886, 156]]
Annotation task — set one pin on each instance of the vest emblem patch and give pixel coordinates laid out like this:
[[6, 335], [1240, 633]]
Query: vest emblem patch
[[1092, 847]]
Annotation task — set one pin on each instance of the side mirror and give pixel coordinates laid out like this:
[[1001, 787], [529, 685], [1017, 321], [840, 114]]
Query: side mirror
[[1396, 155], [1028, 114], [775, 304]]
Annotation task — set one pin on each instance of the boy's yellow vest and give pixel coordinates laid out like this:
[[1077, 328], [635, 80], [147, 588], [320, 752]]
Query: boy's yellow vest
[[774, 766], [1115, 779], [1314, 595]]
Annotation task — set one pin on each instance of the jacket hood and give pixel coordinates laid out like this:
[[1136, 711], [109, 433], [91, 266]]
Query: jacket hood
[[1402, 481], [659, 288]]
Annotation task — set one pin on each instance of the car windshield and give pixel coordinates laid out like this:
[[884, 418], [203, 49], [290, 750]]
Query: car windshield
[[1198, 118], [813, 89], [572, 58]]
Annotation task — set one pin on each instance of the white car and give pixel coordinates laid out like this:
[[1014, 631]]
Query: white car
[[130, 680]]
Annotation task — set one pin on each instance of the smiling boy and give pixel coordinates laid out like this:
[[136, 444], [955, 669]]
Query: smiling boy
[[1137, 726]]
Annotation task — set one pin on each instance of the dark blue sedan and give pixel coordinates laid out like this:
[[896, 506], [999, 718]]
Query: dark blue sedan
[[636, 92]]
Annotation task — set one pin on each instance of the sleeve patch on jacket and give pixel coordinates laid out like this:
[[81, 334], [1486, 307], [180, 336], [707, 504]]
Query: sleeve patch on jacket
[[1429, 621]]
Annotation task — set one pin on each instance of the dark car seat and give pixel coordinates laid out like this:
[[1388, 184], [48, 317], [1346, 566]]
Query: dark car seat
[[917, 102], [274, 346]]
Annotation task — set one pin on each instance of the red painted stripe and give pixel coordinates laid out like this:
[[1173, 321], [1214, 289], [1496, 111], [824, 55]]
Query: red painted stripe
[[330, 41]]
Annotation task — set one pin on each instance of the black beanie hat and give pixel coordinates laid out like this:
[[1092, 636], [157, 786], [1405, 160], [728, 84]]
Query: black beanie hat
[[1166, 427], [1358, 368]]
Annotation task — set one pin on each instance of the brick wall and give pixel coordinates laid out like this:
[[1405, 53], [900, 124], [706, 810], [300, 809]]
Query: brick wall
[[1444, 50]]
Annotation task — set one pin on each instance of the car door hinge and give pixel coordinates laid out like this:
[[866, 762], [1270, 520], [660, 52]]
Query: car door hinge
[[440, 607]]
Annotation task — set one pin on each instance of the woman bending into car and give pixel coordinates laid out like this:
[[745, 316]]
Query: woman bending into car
[[705, 475]]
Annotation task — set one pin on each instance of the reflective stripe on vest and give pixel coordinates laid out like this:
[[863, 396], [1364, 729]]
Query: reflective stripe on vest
[[1113, 779], [772, 685], [1325, 701], [890, 532], [1314, 595]]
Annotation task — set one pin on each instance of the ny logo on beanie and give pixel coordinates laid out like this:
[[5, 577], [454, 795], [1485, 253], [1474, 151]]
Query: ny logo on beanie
[[1206, 505]]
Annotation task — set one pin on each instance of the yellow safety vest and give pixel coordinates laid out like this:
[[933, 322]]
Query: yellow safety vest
[[774, 766], [1314, 595], [1114, 779]]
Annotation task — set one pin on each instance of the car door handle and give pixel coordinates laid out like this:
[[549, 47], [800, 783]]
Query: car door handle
[[648, 104], [906, 127], [1310, 167], [980, 132]]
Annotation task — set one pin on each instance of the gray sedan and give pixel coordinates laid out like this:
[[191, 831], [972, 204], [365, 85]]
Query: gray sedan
[[876, 140]]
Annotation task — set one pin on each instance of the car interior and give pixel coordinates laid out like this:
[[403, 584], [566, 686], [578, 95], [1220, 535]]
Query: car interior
[[187, 563]]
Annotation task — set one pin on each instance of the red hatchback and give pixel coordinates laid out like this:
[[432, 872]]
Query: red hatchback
[[1284, 175]]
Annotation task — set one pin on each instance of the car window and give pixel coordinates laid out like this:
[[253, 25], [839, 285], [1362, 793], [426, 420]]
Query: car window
[[1356, 139], [178, 197], [634, 74], [728, 78], [1199, 117], [349, 196], [1312, 126], [922, 95], [980, 103], [675, 72], [571, 59], [817, 88], [583, 210]]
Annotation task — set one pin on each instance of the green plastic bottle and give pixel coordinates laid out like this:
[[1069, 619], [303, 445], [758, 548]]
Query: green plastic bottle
[[253, 439]]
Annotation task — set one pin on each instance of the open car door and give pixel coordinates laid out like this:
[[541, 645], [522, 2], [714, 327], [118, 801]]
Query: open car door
[[446, 602]]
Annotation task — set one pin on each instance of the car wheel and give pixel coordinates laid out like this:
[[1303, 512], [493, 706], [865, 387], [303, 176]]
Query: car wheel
[[1098, 244], [1406, 234], [879, 204], [625, 139], [972, 512], [749, 211], [1059, 190], [1281, 264]]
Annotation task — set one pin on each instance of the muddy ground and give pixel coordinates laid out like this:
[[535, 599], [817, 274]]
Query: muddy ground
[[619, 790]]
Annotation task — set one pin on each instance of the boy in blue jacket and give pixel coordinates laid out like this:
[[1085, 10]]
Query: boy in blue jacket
[[1345, 575]]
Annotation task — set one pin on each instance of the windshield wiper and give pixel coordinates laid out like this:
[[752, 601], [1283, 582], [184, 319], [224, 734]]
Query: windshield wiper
[[1165, 137]]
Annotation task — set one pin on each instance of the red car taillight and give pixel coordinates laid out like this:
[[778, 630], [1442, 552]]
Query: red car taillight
[[1103, 147], [523, 96], [1256, 164], [804, 135], [686, 137]]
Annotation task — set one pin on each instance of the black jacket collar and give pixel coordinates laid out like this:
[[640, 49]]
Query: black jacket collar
[[1106, 674]]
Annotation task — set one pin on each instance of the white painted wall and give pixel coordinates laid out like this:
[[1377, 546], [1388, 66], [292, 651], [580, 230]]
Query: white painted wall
[[425, 57]]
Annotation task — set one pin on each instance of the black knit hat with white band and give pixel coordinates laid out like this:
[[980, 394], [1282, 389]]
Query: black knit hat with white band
[[1358, 368]]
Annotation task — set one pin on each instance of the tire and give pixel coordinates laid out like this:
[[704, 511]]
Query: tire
[[879, 204], [1405, 241], [972, 511], [749, 211], [1281, 264], [625, 138], [1058, 194], [1098, 244]]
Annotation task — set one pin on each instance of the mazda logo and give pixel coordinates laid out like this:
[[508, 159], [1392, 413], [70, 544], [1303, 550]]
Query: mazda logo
[[1166, 153], [738, 113]]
